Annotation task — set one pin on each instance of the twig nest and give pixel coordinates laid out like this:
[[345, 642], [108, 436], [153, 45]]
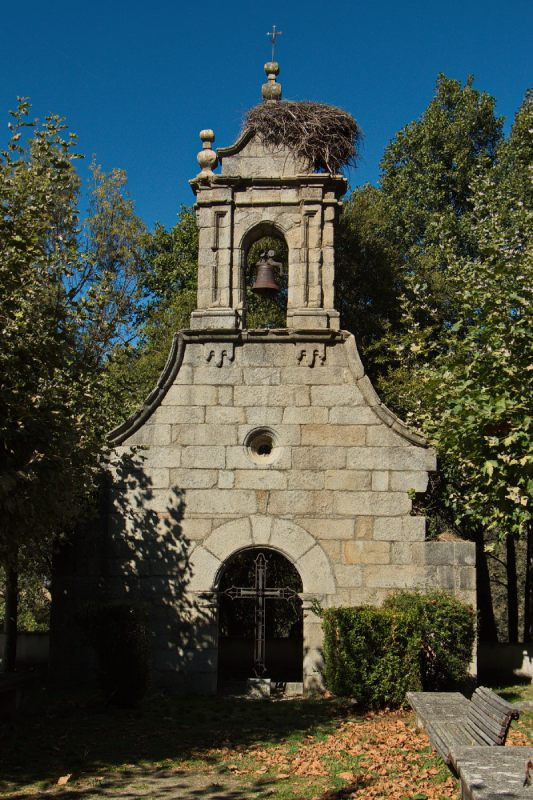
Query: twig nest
[[324, 136]]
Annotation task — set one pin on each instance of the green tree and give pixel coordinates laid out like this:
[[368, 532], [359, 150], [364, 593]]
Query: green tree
[[33, 612], [464, 376], [389, 234], [368, 275], [113, 260], [427, 174], [61, 311], [167, 284], [426, 262]]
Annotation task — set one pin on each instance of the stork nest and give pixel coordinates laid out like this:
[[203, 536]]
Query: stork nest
[[323, 136]]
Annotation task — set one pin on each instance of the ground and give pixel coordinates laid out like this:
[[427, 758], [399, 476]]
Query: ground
[[222, 749]]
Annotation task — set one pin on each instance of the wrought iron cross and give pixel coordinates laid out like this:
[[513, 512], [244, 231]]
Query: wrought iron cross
[[273, 35], [260, 593]]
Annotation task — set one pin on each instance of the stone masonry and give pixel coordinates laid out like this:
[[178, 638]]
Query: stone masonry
[[333, 496], [189, 487]]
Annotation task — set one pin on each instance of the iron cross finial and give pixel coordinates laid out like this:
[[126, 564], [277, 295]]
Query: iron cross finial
[[273, 35]]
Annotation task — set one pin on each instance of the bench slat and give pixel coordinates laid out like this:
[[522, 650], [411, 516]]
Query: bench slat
[[498, 718], [480, 735], [450, 737], [442, 705], [498, 702], [442, 747], [495, 730]]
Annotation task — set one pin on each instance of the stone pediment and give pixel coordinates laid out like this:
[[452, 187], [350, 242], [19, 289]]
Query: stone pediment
[[250, 157], [218, 348]]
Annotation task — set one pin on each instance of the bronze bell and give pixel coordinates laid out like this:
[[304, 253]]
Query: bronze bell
[[265, 284]]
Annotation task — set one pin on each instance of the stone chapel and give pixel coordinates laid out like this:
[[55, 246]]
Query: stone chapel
[[263, 472]]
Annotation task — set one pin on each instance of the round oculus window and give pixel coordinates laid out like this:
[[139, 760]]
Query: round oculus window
[[261, 446]]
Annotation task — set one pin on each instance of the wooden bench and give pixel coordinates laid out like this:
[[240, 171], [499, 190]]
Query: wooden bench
[[453, 722]]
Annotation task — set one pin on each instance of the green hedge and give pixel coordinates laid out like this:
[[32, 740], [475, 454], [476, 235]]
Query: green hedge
[[447, 635], [413, 642]]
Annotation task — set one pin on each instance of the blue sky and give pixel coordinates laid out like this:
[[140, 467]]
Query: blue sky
[[137, 81]]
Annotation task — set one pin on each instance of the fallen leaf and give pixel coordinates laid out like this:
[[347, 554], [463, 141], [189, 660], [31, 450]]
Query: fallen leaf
[[346, 776], [64, 779]]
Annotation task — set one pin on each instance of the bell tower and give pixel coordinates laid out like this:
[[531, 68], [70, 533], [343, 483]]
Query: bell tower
[[268, 184]]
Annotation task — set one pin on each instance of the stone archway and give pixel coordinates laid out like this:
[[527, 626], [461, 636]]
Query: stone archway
[[263, 310], [289, 538], [260, 229], [292, 541], [260, 619]]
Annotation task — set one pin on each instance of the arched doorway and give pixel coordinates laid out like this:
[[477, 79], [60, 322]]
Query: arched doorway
[[260, 620], [261, 311]]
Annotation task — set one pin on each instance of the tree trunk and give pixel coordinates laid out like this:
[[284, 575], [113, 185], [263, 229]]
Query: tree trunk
[[528, 588], [487, 624], [11, 619], [512, 590]]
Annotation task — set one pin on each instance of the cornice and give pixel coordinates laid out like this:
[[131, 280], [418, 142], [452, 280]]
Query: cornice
[[337, 183]]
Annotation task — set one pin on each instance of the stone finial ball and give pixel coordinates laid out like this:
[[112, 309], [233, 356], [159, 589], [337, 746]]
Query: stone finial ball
[[207, 159], [207, 135], [272, 68]]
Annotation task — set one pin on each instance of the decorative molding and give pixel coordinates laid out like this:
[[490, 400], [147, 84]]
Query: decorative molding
[[232, 149], [311, 354], [240, 336], [218, 216], [305, 247], [217, 351], [379, 408], [165, 381], [334, 183], [217, 219]]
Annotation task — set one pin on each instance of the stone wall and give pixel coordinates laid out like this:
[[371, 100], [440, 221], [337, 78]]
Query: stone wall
[[333, 495], [248, 157]]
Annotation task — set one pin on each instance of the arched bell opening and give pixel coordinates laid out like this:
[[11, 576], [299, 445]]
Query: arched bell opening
[[260, 618], [265, 250]]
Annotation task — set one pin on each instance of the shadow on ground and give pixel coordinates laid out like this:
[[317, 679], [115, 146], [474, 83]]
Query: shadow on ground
[[56, 735], [160, 785]]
